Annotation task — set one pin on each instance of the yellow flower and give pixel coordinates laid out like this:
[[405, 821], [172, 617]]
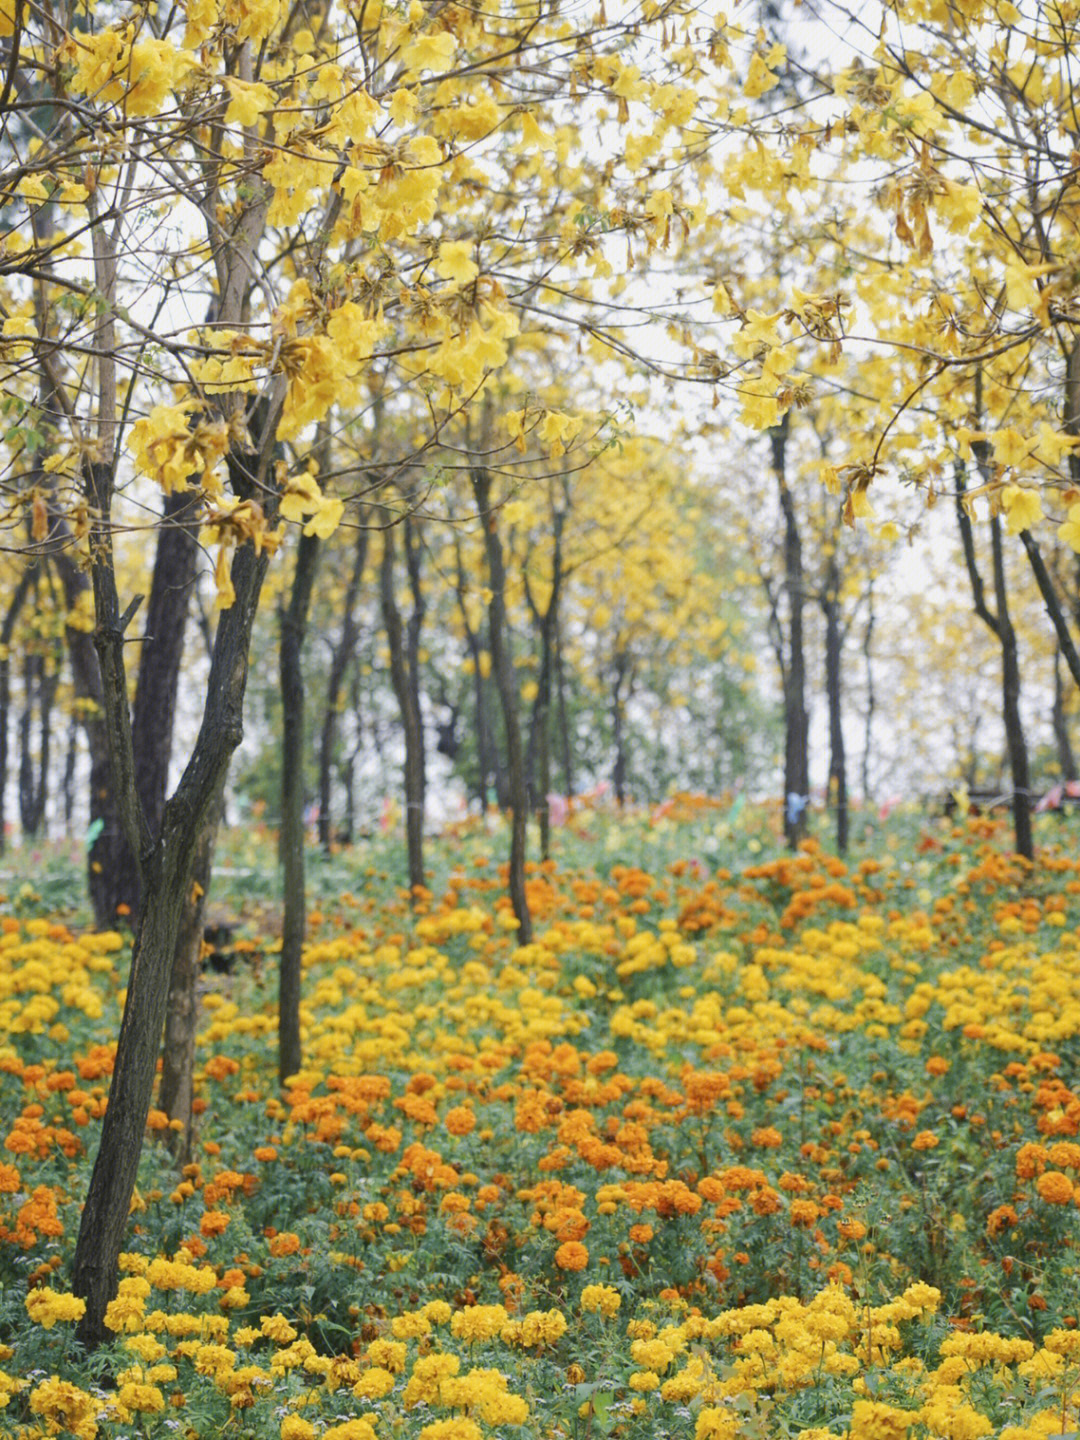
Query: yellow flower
[[46, 1307]]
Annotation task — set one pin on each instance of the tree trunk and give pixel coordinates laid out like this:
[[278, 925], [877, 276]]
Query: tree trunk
[[539, 753], [167, 864], [294, 924], [407, 694], [565, 747], [484, 757], [7, 630], [503, 670], [870, 695], [618, 727], [838, 796], [160, 655], [1010, 685], [341, 656], [1062, 739], [89, 706], [796, 719], [177, 1090], [1000, 625]]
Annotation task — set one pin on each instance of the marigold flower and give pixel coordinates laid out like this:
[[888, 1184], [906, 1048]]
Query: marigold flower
[[572, 1256], [461, 1120], [46, 1307], [600, 1299], [925, 1140], [1054, 1187]]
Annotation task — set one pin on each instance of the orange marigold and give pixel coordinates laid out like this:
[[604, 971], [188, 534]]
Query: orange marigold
[[1054, 1187], [572, 1256]]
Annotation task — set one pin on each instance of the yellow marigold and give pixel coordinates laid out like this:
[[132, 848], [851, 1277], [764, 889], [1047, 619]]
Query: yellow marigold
[[600, 1299], [458, 1428], [135, 1396], [874, 1420], [410, 1326], [295, 1428], [572, 1256], [374, 1384], [351, 1430], [645, 1380], [716, 1423], [65, 1407], [46, 1307], [388, 1355], [479, 1322], [925, 1140]]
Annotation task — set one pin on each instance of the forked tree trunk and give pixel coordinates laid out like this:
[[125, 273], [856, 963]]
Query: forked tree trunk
[[167, 861], [294, 920]]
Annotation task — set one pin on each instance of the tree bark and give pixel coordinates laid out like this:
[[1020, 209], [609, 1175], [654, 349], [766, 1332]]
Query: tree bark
[[176, 1093], [1062, 739], [838, 793], [618, 726], [160, 655], [796, 718], [484, 749], [503, 670], [539, 752], [406, 692], [167, 864], [294, 923], [341, 657], [7, 631], [89, 705], [1000, 625], [1010, 687]]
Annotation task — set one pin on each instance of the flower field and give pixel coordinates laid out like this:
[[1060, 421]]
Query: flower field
[[780, 1148]]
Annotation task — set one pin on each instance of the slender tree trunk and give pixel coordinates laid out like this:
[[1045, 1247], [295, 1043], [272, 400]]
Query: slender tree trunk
[[341, 657], [538, 769], [407, 694], [796, 718], [870, 694], [838, 796], [618, 727], [293, 629], [89, 705], [485, 757], [503, 670], [1001, 627], [7, 631], [70, 761], [160, 656], [1062, 739], [565, 747], [177, 1090], [1010, 678]]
